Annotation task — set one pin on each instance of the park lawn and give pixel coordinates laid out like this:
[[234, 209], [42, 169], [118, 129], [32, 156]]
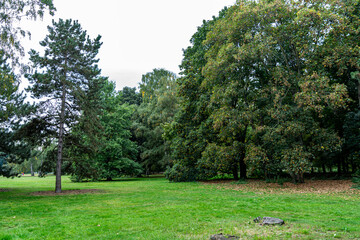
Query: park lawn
[[153, 208]]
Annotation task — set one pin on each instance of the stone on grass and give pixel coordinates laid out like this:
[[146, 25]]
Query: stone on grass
[[223, 237], [269, 221], [272, 221]]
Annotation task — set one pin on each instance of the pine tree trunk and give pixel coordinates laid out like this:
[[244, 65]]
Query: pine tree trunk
[[60, 141]]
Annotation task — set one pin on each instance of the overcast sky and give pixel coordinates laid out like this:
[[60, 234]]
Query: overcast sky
[[137, 35]]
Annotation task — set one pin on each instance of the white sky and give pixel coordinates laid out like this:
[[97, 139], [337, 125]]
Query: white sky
[[137, 35]]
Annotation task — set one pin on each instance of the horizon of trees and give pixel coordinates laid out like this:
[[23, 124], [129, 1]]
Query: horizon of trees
[[267, 89]]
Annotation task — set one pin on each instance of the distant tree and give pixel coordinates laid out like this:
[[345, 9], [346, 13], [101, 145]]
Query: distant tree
[[159, 106], [130, 96], [154, 83], [62, 76], [117, 153], [112, 153]]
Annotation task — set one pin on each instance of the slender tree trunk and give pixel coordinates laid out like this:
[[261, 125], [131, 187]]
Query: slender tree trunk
[[235, 172], [31, 169], [339, 165], [324, 168], [359, 92], [242, 167], [60, 141]]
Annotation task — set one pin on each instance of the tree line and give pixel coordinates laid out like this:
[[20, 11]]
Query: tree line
[[267, 88]]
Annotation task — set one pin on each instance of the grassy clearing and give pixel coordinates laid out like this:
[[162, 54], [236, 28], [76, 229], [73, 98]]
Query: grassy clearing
[[153, 208]]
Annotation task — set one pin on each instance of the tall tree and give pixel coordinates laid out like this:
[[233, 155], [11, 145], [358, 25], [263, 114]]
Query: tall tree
[[191, 129], [277, 90], [62, 76], [115, 153], [158, 89]]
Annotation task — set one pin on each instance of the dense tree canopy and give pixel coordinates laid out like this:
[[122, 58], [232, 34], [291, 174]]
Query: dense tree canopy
[[267, 88], [277, 91], [159, 105]]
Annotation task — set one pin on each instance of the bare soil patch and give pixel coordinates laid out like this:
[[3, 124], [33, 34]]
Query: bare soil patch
[[310, 186], [4, 190], [67, 192]]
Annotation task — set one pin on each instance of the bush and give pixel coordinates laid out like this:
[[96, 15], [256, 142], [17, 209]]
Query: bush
[[180, 173], [356, 179]]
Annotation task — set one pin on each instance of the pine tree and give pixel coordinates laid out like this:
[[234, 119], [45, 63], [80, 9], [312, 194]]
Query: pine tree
[[62, 76]]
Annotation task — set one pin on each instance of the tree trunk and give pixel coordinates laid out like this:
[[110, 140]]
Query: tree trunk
[[235, 172], [339, 165], [109, 179], [31, 169], [242, 167], [359, 92], [324, 168], [242, 155], [60, 141]]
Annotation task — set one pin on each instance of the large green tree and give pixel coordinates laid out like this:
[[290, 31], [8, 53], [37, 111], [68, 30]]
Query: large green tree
[[158, 89], [105, 151], [62, 76], [191, 129], [277, 92]]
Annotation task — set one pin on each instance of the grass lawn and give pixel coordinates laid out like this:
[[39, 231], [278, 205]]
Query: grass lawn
[[153, 208]]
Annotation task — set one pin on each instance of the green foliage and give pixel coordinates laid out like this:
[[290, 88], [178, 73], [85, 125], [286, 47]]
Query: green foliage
[[64, 76], [113, 153], [130, 96], [12, 12], [13, 110], [192, 127], [356, 179], [181, 173], [155, 83], [158, 109], [268, 90]]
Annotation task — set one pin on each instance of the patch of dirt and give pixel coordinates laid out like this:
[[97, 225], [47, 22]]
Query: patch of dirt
[[67, 192], [4, 190], [310, 186]]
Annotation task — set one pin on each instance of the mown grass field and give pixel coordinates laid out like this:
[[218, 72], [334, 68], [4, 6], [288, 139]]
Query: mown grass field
[[153, 208]]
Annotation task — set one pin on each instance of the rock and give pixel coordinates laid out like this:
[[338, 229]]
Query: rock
[[256, 220], [272, 221], [223, 237]]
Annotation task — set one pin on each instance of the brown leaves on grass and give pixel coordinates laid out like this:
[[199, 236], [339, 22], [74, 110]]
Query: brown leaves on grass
[[310, 186], [66, 192]]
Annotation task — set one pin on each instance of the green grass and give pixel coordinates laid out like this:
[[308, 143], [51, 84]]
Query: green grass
[[153, 208]]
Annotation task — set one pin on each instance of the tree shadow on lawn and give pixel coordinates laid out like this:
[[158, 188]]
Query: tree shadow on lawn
[[68, 192]]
